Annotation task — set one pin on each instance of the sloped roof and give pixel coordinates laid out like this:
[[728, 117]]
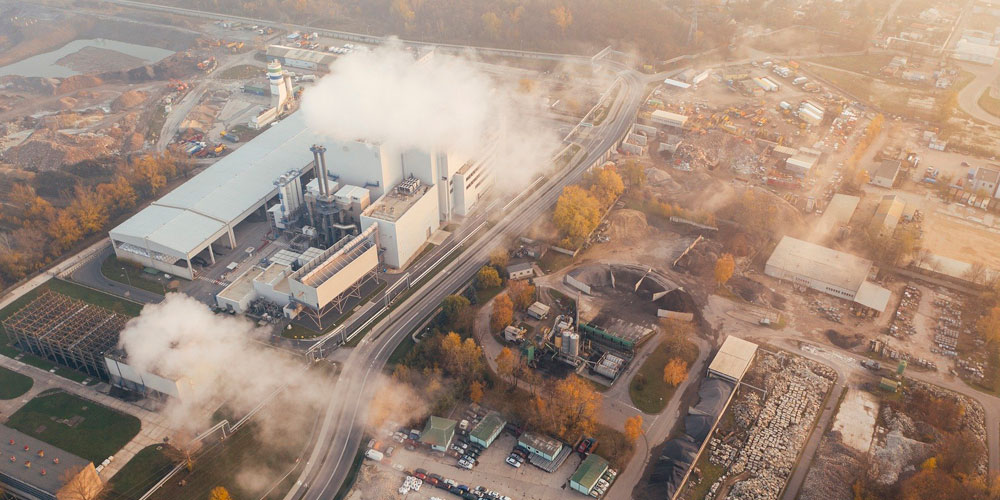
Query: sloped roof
[[438, 431], [488, 426], [589, 471]]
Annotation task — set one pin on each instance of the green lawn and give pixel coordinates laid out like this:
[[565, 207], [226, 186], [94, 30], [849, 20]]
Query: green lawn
[[219, 462], [13, 384], [553, 261], [989, 104], [486, 294], [647, 389], [139, 474], [130, 274], [79, 426]]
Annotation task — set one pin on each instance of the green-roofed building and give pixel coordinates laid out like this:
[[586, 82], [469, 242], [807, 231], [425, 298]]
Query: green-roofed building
[[438, 433], [587, 474], [487, 430]]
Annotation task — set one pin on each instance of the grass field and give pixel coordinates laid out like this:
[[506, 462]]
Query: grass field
[[13, 384], [139, 474], [221, 464], [647, 389], [79, 426], [130, 274], [858, 86]]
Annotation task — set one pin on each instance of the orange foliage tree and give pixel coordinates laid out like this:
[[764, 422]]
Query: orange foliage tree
[[503, 312], [675, 371]]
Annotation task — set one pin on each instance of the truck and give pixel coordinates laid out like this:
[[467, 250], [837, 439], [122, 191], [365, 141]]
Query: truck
[[374, 455], [871, 364], [799, 81], [195, 148], [308, 78], [229, 136]]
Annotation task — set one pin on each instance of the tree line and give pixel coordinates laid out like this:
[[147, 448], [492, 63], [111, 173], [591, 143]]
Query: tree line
[[580, 206], [39, 232]]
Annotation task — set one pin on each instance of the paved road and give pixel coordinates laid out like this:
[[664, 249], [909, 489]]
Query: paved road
[[342, 428], [89, 273]]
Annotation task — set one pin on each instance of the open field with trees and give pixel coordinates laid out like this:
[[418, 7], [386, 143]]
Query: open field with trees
[[665, 368]]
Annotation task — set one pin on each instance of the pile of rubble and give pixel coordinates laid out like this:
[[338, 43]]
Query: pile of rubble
[[902, 321], [949, 326], [831, 313], [795, 390]]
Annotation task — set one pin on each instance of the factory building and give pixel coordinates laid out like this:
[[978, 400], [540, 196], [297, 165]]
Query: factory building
[[405, 218], [294, 57], [317, 194], [669, 119], [887, 215], [127, 377], [826, 270], [35, 470]]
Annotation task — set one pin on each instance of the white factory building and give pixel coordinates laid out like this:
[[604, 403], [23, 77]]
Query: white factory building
[[206, 211], [829, 271]]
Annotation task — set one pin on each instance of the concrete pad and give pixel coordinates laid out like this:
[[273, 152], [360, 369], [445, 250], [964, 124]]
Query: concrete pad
[[438, 237], [856, 419]]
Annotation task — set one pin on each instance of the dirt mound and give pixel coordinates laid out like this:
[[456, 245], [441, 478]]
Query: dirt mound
[[77, 82], [48, 150], [67, 103], [845, 341], [627, 224], [128, 100]]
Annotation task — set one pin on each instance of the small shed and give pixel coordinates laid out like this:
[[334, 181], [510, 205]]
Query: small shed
[[487, 430], [521, 270], [733, 359], [438, 433], [543, 446], [588, 473], [538, 310]]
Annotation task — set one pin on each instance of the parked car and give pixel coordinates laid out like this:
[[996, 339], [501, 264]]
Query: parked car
[[512, 462]]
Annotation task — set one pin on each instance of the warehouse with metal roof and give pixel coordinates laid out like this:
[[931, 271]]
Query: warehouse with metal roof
[[206, 210], [733, 359], [826, 270]]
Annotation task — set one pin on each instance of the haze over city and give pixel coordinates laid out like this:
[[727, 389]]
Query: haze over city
[[546, 250]]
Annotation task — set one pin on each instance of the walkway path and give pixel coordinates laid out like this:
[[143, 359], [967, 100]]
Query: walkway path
[[153, 428]]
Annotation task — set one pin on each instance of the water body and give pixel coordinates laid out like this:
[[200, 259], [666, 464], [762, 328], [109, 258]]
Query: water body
[[44, 65]]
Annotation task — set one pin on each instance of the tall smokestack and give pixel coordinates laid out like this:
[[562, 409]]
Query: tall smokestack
[[326, 177], [317, 170]]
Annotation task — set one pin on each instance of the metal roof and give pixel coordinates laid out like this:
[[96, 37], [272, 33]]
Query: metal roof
[[589, 471], [887, 169], [438, 431], [733, 358], [54, 477], [490, 425], [196, 211], [839, 211], [873, 296], [820, 263]]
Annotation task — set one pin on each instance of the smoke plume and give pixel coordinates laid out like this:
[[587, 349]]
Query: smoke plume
[[436, 103], [216, 359]]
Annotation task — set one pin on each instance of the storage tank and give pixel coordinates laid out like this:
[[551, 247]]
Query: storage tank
[[571, 343]]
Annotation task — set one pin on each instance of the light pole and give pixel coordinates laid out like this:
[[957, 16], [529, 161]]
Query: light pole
[[128, 280]]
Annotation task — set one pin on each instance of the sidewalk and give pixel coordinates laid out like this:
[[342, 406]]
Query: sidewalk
[[152, 431]]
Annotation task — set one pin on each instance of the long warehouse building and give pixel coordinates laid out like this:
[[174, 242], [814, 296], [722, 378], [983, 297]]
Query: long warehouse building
[[206, 211]]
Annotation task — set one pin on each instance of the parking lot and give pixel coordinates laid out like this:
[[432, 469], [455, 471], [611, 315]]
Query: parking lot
[[524, 483]]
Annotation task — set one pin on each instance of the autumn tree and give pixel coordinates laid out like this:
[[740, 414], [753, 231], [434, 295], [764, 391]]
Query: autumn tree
[[492, 24], [577, 213], [567, 408], [507, 365], [675, 372], [488, 277], [989, 325], [634, 173], [562, 17], [499, 258], [89, 210], [476, 391], [607, 185], [633, 428], [503, 312], [522, 294], [79, 485], [454, 307], [220, 493], [724, 267], [463, 357]]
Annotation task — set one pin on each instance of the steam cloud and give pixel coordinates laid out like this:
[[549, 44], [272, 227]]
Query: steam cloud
[[442, 103], [217, 359]]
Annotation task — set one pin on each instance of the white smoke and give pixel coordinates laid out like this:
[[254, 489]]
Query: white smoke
[[215, 358], [437, 103]]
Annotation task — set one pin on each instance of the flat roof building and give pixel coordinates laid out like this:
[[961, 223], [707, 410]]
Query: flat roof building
[[669, 119], [295, 57], [885, 174], [838, 212], [733, 359], [520, 270], [820, 268], [543, 446], [887, 215], [406, 218], [35, 470], [966, 50], [986, 181]]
